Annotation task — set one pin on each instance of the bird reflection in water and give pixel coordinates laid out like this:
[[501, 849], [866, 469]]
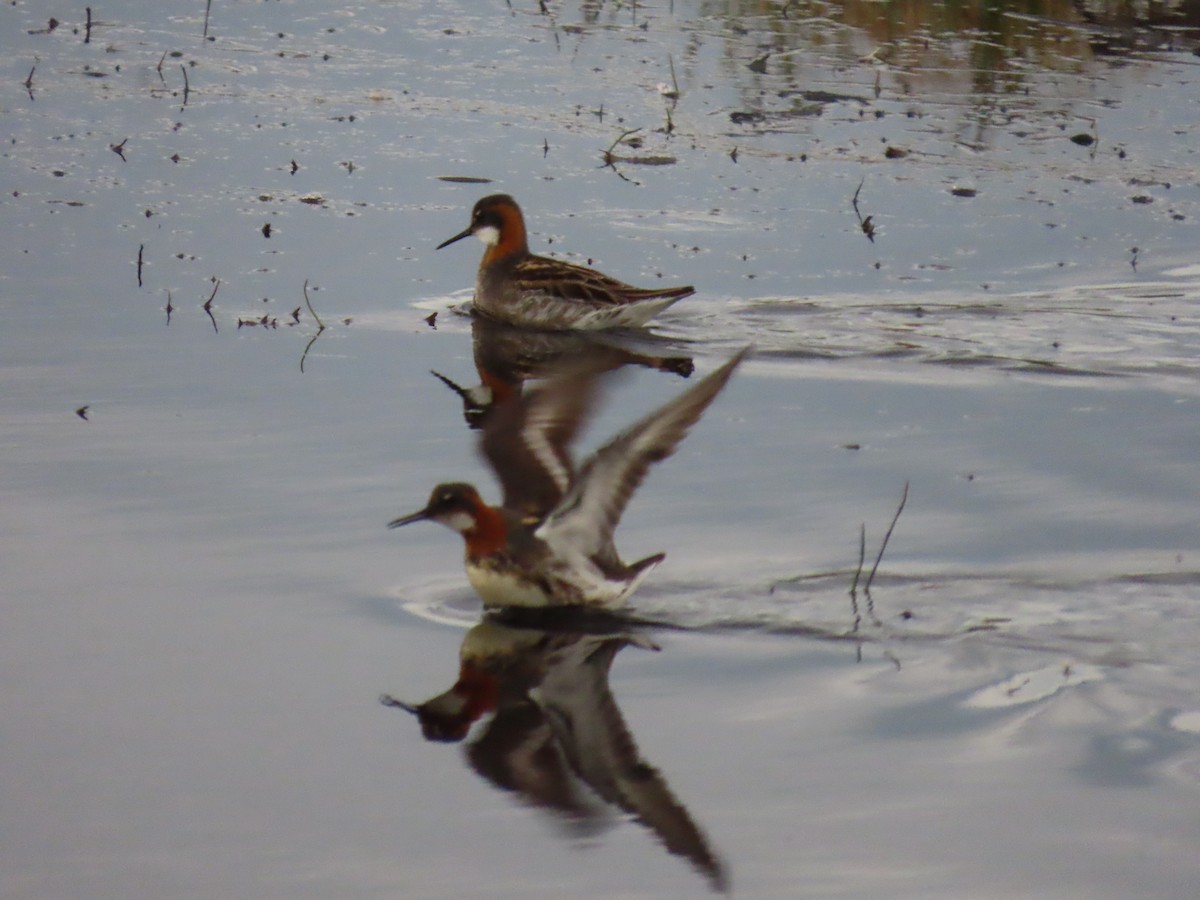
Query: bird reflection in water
[[555, 736], [507, 356]]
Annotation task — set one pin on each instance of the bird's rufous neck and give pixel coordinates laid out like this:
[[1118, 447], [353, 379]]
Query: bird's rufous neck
[[512, 242], [487, 536]]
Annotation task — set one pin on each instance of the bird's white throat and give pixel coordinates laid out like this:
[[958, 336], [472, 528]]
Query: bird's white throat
[[459, 521], [489, 234]]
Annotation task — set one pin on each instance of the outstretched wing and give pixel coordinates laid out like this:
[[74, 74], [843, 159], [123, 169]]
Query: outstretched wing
[[528, 439], [585, 519]]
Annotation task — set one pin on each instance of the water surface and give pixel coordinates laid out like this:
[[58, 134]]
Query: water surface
[[202, 604]]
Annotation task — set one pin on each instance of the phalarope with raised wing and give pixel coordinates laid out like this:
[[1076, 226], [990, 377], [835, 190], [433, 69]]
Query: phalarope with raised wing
[[550, 542]]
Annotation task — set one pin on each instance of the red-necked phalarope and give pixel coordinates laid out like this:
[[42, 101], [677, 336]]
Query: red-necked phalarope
[[516, 286], [550, 543]]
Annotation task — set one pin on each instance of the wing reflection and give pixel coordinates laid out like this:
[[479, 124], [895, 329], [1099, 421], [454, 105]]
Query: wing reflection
[[556, 737]]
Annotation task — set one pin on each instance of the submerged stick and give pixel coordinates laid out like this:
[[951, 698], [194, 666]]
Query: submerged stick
[[608, 154], [312, 312], [208, 304], [887, 537], [862, 555], [320, 325], [867, 226]]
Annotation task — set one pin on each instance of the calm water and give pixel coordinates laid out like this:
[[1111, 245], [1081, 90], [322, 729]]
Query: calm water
[[202, 605]]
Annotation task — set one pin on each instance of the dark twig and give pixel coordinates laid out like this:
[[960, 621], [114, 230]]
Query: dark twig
[[207, 10], [608, 155], [320, 326], [87, 34], [887, 537], [610, 159], [208, 304], [187, 88], [312, 312], [862, 555], [867, 226], [28, 82], [169, 307], [141, 248]]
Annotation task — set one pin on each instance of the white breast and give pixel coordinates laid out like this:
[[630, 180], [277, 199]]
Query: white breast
[[503, 589]]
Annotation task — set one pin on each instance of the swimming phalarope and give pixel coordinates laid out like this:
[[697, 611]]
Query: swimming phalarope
[[519, 287], [550, 543]]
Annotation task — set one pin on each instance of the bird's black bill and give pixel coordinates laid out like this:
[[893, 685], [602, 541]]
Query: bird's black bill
[[462, 392], [418, 516], [389, 700], [458, 237], [475, 407]]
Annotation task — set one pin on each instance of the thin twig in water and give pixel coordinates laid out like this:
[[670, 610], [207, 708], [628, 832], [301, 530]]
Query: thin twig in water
[[312, 312], [862, 556], [608, 154], [87, 34], [187, 88], [208, 304], [867, 226], [141, 248], [610, 159], [207, 10], [887, 537], [320, 326]]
